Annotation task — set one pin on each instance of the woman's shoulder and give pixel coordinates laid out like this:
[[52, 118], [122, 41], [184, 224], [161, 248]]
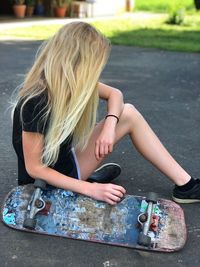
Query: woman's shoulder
[[34, 103], [33, 110]]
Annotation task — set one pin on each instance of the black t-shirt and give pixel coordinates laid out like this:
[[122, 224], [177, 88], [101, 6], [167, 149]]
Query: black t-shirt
[[32, 121]]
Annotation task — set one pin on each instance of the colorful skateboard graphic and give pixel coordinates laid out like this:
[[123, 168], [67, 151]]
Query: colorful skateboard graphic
[[67, 214]]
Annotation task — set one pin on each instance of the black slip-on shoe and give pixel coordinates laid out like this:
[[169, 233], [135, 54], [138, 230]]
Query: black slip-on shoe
[[190, 196], [105, 174]]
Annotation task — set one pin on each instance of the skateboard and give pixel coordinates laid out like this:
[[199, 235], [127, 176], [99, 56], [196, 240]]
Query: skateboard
[[146, 223]]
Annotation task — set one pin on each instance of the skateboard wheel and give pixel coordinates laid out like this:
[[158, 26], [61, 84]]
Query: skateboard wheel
[[143, 217], [144, 240], [40, 184], [152, 197], [29, 223]]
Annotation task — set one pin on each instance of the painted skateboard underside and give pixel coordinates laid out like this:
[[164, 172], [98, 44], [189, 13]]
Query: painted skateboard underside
[[75, 216]]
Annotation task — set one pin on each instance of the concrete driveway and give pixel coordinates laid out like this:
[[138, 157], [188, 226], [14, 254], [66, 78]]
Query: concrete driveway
[[165, 87]]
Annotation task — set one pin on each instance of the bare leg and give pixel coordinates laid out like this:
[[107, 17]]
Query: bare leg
[[147, 143]]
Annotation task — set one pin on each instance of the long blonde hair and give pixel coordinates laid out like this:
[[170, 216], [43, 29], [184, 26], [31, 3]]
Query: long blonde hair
[[67, 68]]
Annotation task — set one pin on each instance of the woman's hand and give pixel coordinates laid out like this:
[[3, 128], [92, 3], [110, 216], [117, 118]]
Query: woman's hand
[[106, 140], [110, 193]]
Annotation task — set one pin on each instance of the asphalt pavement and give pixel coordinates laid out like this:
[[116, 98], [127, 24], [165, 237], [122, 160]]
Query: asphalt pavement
[[165, 88]]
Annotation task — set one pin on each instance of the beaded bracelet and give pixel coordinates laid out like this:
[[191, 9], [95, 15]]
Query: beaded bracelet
[[111, 115]]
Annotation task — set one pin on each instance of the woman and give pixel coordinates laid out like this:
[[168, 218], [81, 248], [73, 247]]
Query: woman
[[56, 112]]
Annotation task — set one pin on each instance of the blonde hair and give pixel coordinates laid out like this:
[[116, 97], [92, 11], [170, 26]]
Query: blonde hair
[[67, 68]]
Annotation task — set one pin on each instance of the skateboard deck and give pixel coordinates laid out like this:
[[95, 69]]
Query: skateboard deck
[[75, 216]]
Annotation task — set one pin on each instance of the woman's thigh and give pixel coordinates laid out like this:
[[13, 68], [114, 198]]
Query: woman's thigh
[[86, 158]]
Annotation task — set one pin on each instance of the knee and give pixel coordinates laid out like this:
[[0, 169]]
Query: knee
[[130, 114]]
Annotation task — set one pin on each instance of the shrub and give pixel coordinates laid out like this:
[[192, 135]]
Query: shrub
[[176, 13], [176, 17]]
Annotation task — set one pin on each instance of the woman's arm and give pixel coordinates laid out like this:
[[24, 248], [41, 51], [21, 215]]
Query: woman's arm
[[114, 97], [115, 105], [32, 148]]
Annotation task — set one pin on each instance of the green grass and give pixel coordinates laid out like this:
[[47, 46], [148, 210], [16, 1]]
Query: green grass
[[163, 5], [154, 33], [144, 31], [38, 32]]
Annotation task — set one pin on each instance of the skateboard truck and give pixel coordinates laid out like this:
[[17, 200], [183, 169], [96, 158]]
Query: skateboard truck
[[145, 220], [36, 204]]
